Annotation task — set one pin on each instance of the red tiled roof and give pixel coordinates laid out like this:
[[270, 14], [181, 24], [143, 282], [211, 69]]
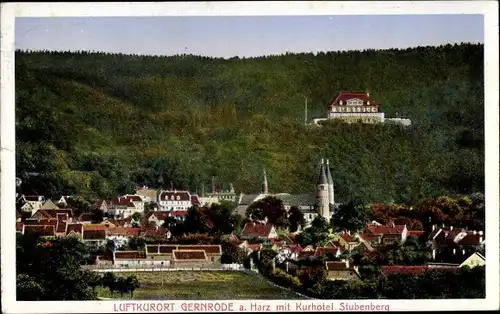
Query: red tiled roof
[[130, 255], [76, 228], [40, 222], [414, 270], [40, 230], [61, 226], [415, 232], [471, 239], [385, 230], [256, 229], [94, 234], [152, 249], [121, 201], [124, 231], [178, 213], [305, 254], [295, 248], [134, 198], [94, 227], [189, 255], [167, 249], [154, 232], [160, 215], [344, 96], [367, 237], [209, 249], [254, 247], [337, 265], [167, 195], [320, 251], [346, 236]]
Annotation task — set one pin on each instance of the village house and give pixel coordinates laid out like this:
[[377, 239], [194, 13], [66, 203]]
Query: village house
[[376, 234], [120, 236], [121, 207], [60, 200], [454, 244], [52, 213], [39, 230], [148, 195], [94, 238], [130, 258], [333, 251], [175, 200], [190, 258], [100, 205], [341, 270], [288, 252], [138, 202], [258, 229], [346, 241], [75, 230], [49, 205], [165, 252], [30, 203]]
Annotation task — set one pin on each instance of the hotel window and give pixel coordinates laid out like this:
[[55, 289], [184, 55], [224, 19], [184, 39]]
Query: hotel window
[[348, 109], [373, 109]]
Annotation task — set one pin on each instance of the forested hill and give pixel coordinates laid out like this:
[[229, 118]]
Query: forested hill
[[100, 123]]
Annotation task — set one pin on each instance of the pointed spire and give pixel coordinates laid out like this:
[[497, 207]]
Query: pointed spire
[[322, 176], [328, 173]]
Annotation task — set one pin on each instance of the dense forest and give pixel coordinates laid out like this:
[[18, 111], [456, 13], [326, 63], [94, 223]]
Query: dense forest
[[98, 124]]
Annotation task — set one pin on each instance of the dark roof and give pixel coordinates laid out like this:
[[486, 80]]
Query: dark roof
[[40, 230], [134, 198], [345, 96], [337, 265], [43, 221], [247, 199], [122, 201], [167, 195], [34, 198], [61, 226], [322, 176], [328, 173], [414, 270], [209, 249], [130, 255], [256, 229], [167, 249], [154, 232], [76, 228], [195, 200], [152, 249], [94, 234], [297, 199], [471, 239], [189, 255]]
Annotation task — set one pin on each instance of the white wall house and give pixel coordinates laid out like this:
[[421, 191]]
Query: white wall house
[[175, 200]]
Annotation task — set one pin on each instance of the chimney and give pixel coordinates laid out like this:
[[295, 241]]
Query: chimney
[[463, 251], [480, 233], [454, 251], [433, 227], [451, 228], [433, 254], [265, 220], [474, 232], [480, 239]]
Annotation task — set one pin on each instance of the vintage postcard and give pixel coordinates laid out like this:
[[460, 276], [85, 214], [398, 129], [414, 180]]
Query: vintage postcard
[[249, 157]]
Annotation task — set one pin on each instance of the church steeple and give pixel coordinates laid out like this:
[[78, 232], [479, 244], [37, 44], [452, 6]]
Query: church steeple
[[322, 203], [331, 195], [265, 189]]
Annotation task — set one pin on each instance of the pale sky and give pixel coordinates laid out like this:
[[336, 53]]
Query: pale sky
[[245, 36]]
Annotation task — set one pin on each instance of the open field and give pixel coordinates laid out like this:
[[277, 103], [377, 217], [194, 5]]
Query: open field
[[202, 285]]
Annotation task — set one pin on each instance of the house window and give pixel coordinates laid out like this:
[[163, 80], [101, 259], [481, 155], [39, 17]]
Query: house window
[[172, 197], [178, 197]]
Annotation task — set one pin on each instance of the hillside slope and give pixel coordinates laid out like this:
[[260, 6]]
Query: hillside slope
[[118, 120]]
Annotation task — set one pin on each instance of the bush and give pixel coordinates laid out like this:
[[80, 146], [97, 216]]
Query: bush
[[281, 278]]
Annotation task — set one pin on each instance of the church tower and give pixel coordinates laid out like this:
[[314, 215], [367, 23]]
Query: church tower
[[264, 184], [322, 202], [331, 195]]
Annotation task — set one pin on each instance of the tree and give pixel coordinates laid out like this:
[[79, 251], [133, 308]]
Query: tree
[[109, 281], [149, 207], [50, 269], [97, 216], [136, 218], [270, 207], [79, 205], [296, 219], [131, 283], [352, 217]]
